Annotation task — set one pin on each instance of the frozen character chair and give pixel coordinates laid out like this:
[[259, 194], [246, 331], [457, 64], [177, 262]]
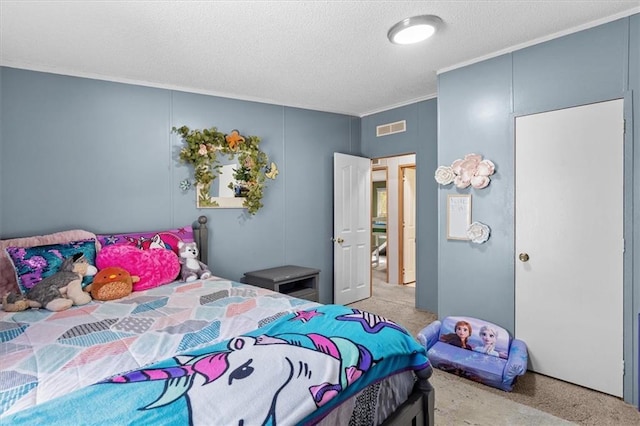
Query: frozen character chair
[[490, 355]]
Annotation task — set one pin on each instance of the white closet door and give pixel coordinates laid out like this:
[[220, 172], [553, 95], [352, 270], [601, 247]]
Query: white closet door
[[569, 222]]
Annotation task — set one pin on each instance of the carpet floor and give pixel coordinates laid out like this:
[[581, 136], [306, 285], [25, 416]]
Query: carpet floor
[[535, 399]]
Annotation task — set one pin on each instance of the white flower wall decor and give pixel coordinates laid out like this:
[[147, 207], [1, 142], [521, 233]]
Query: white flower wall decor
[[478, 232], [470, 170], [444, 175]]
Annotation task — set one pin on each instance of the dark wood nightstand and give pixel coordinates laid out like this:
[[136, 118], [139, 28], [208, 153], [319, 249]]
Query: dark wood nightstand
[[295, 281]]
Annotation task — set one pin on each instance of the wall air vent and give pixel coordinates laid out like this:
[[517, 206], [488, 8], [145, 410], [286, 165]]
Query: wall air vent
[[391, 128]]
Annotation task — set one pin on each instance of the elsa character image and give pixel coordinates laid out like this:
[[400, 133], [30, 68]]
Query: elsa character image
[[489, 336]]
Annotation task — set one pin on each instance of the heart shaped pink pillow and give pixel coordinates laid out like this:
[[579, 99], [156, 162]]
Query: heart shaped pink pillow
[[155, 267]]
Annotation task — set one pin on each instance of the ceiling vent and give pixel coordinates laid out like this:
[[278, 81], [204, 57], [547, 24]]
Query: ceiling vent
[[391, 128]]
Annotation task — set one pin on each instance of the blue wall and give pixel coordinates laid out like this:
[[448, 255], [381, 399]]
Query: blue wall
[[477, 106], [82, 153], [633, 223], [421, 139], [0, 152]]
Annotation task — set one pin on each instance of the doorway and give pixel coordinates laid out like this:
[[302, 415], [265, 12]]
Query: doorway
[[393, 195]]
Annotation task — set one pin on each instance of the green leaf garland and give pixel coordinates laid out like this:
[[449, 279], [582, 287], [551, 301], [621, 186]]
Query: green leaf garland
[[201, 151]]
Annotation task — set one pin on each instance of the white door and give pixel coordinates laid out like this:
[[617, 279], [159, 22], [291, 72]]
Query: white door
[[408, 225], [351, 228], [569, 222]]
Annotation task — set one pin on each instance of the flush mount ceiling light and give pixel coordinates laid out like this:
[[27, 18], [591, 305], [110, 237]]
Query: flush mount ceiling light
[[414, 29]]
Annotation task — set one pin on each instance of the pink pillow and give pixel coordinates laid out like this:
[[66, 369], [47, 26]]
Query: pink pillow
[[8, 281], [168, 239], [154, 267]]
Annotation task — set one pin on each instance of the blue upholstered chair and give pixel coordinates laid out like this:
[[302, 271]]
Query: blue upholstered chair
[[475, 349]]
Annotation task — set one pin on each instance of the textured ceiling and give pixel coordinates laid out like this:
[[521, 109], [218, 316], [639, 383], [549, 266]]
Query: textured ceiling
[[324, 55]]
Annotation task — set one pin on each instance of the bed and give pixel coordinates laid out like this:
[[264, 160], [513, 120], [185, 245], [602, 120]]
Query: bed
[[210, 351]]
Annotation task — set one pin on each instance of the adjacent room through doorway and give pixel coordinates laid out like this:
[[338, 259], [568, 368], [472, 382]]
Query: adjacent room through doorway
[[393, 198]]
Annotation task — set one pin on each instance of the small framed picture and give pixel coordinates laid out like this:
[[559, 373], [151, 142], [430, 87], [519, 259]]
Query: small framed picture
[[458, 216]]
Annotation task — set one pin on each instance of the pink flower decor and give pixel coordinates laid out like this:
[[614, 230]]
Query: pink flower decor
[[461, 181], [155, 267], [471, 170], [485, 168], [479, 182], [203, 149]]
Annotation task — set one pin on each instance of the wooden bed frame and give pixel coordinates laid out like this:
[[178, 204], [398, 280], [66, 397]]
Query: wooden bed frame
[[201, 237], [418, 409]]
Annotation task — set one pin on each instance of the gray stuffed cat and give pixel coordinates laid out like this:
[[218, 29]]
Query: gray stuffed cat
[[63, 289]]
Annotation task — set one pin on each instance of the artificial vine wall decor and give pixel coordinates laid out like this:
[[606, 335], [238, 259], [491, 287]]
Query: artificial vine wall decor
[[202, 149]]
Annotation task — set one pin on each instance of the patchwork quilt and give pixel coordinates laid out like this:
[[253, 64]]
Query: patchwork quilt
[[289, 371], [47, 354]]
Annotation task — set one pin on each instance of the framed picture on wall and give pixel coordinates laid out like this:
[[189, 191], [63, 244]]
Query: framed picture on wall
[[458, 216]]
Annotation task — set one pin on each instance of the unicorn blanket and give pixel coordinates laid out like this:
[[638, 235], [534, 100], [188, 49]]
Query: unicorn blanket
[[291, 371]]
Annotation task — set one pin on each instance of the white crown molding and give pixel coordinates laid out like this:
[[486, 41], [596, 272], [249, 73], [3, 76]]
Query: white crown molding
[[543, 39]]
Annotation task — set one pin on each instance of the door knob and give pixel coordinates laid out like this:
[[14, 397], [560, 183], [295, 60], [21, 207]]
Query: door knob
[[337, 240], [524, 257]]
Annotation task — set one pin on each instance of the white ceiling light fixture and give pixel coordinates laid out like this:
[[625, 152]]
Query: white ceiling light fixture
[[414, 29]]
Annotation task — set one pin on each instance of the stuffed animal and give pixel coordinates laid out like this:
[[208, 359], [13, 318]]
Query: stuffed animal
[[191, 268], [14, 302], [63, 289], [112, 283]]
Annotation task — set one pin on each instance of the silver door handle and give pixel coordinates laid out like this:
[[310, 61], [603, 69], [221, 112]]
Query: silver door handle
[[338, 240]]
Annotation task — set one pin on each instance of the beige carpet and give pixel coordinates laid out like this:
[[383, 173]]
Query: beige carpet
[[535, 400]]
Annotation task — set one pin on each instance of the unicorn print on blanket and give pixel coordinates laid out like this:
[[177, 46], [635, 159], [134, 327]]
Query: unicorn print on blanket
[[259, 377]]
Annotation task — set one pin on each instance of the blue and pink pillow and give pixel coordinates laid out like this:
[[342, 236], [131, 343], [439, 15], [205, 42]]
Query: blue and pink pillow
[[32, 264]]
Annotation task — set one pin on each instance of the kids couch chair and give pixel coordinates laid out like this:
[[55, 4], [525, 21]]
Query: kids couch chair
[[475, 349]]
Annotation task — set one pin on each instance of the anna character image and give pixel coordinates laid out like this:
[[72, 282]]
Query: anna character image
[[461, 336]]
